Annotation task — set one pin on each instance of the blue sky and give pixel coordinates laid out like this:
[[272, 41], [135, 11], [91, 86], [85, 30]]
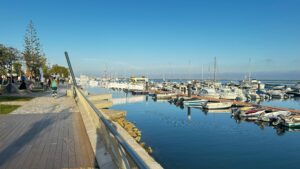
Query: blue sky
[[156, 37]]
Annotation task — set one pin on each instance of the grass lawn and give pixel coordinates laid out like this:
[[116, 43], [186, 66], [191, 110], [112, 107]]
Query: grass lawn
[[5, 109], [14, 98]]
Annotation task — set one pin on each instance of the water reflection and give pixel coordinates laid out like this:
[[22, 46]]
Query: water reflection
[[168, 128], [189, 113], [280, 129]]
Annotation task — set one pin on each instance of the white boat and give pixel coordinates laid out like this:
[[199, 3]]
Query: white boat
[[273, 115], [165, 95], [291, 121], [218, 111], [227, 93], [209, 92], [252, 95], [277, 113], [93, 83], [255, 113], [296, 86], [195, 103], [276, 94], [221, 105]]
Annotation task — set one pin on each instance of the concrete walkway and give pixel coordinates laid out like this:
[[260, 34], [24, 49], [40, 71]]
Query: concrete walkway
[[46, 132]]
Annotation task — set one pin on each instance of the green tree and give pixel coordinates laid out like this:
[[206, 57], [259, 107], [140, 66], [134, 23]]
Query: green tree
[[8, 56], [60, 70], [46, 71], [33, 55], [3, 60], [17, 68]]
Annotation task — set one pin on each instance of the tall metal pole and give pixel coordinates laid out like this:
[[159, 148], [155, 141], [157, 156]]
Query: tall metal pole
[[72, 74], [70, 69]]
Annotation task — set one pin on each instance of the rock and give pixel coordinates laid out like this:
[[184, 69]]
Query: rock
[[114, 114], [103, 104], [143, 144], [149, 150], [138, 138]]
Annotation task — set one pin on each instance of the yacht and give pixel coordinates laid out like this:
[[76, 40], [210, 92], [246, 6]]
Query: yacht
[[209, 92], [227, 93]]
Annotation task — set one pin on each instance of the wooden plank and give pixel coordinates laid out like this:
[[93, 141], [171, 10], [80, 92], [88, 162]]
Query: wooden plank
[[85, 147], [53, 140], [65, 147], [58, 149], [15, 141], [72, 153], [47, 144], [23, 138], [52, 144], [78, 149], [38, 145]]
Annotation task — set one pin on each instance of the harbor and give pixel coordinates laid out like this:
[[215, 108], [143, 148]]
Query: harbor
[[176, 123], [150, 84]]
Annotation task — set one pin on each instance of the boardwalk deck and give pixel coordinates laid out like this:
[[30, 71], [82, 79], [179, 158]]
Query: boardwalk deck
[[51, 138]]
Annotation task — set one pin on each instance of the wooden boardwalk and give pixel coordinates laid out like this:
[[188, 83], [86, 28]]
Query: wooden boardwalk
[[45, 140]]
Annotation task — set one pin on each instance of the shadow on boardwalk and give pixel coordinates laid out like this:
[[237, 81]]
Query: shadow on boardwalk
[[24, 139]]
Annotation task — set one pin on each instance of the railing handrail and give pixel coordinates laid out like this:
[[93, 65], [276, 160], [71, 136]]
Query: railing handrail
[[135, 157]]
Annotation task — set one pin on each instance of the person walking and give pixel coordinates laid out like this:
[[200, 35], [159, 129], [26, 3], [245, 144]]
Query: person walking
[[54, 87]]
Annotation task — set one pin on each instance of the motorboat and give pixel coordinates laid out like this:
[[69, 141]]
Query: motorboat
[[195, 103], [273, 115], [209, 92], [276, 94], [290, 121], [252, 113], [164, 95], [228, 94], [219, 105]]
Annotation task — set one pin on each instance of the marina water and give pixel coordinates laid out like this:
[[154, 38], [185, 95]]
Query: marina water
[[193, 139]]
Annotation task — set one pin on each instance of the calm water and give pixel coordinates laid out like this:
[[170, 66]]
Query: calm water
[[195, 139]]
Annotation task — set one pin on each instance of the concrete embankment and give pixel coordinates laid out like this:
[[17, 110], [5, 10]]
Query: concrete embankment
[[98, 134], [101, 102]]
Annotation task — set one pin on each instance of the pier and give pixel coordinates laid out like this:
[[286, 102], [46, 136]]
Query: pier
[[70, 130], [45, 133], [241, 103]]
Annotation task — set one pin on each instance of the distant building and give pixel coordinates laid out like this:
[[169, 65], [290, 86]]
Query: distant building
[[83, 80], [136, 80]]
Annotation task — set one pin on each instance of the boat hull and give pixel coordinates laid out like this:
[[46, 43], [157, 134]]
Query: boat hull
[[226, 105]]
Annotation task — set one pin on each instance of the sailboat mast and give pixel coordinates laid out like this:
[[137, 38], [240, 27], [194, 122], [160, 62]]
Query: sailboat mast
[[215, 67], [202, 72], [249, 76]]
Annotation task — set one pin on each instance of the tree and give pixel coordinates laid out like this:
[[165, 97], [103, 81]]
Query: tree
[[46, 71], [33, 54], [17, 68], [3, 60], [8, 57], [60, 70]]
